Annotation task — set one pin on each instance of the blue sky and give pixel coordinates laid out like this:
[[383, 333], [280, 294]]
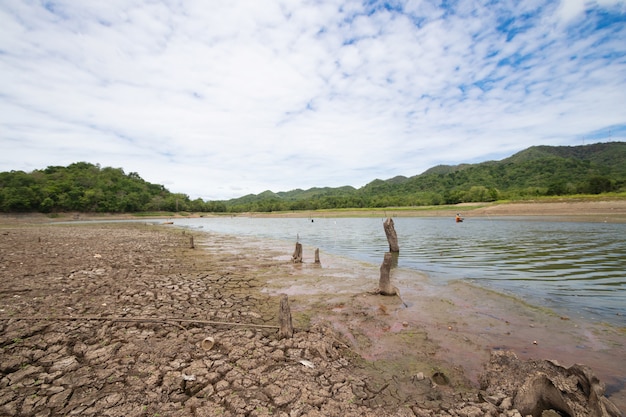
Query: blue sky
[[218, 99]]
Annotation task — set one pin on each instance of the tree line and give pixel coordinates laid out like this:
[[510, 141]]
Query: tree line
[[534, 172]]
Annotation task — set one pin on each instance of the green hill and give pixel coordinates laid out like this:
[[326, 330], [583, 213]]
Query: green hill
[[83, 187], [536, 171]]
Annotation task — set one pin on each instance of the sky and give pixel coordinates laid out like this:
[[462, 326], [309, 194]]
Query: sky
[[217, 99]]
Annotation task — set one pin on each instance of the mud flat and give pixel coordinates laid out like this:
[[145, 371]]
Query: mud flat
[[110, 319], [610, 210]]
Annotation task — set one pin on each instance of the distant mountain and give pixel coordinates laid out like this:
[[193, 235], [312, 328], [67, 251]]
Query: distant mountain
[[445, 169], [609, 156], [536, 171], [294, 195]]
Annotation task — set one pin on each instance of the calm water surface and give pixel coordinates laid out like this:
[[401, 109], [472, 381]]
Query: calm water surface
[[576, 268]]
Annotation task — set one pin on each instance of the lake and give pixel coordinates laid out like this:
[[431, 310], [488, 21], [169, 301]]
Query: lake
[[577, 269]]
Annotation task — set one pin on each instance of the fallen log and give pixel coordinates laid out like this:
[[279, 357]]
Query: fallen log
[[139, 320]]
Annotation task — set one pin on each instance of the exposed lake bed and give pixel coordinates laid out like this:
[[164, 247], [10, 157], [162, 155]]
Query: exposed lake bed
[[462, 323], [439, 331]]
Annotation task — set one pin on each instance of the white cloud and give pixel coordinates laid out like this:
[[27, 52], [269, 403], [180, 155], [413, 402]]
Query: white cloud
[[245, 96]]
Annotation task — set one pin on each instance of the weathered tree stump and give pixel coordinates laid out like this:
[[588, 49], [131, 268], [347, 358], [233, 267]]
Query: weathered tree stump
[[284, 319], [191, 245], [392, 237], [384, 284], [543, 387], [297, 254], [317, 255]]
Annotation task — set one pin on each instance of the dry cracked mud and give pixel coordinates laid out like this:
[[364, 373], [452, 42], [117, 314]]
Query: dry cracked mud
[[109, 319]]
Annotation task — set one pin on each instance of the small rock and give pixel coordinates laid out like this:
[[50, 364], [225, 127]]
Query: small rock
[[506, 403], [470, 411], [67, 364]]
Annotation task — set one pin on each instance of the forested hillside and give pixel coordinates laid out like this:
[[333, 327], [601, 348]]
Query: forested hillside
[[537, 171], [83, 187]]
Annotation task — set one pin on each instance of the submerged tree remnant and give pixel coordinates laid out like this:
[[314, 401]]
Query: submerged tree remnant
[[284, 319], [392, 237], [384, 284], [297, 254]]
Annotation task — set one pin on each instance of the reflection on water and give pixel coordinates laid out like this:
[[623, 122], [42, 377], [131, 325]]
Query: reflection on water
[[575, 268]]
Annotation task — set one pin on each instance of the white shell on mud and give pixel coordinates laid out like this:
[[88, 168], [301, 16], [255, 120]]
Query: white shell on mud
[[207, 343], [306, 363]]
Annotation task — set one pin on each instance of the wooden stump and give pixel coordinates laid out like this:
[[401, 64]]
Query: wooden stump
[[384, 284], [317, 255], [284, 319], [297, 254], [191, 245], [392, 237]]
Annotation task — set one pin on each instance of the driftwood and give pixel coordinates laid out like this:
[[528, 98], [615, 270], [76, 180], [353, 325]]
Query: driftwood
[[284, 319], [392, 237], [139, 320], [297, 254], [317, 255], [384, 284]]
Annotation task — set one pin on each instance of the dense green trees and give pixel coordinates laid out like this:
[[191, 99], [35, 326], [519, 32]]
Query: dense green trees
[[84, 187], [536, 171]]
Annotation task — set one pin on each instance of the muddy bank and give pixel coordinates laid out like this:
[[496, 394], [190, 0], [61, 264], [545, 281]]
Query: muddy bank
[[608, 210], [108, 348], [453, 328], [566, 210]]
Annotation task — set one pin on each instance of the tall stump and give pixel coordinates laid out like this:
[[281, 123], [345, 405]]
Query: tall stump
[[297, 254], [384, 284], [284, 319], [392, 237]]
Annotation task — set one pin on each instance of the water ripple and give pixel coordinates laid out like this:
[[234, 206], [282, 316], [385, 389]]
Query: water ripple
[[575, 267]]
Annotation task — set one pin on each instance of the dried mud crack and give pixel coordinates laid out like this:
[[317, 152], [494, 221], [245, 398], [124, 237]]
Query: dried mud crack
[[109, 319]]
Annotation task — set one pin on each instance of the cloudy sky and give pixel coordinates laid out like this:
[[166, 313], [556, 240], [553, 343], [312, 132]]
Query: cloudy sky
[[221, 98]]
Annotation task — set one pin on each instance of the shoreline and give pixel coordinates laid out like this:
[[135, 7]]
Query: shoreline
[[448, 330], [466, 320], [567, 210], [609, 210]]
